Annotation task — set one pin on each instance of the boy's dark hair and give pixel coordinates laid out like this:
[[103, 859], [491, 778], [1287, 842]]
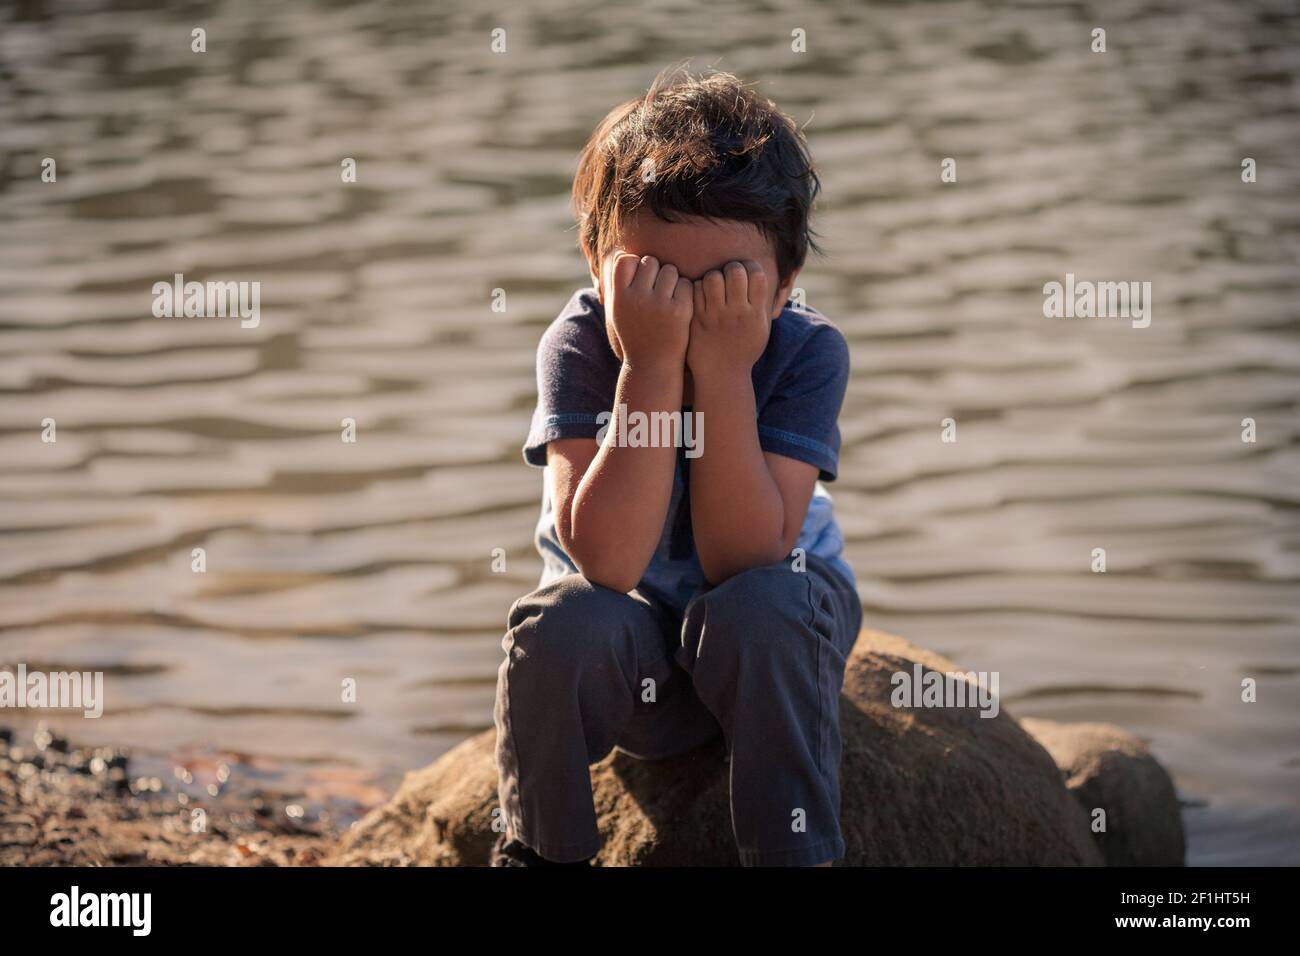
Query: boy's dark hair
[[719, 150]]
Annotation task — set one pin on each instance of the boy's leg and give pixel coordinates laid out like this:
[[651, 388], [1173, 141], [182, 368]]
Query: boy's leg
[[576, 656], [766, 651]]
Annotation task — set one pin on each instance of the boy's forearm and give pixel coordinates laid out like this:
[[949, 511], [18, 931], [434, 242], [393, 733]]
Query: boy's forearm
[[619, 510], [737, 514]]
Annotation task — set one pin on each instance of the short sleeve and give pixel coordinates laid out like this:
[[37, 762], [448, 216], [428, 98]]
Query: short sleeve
[[801, 419], [576, 377]]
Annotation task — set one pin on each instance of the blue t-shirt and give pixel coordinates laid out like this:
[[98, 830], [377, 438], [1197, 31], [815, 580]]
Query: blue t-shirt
[[799, 384]]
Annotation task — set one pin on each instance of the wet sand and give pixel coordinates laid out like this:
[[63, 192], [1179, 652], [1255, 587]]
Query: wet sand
[[373, 561]]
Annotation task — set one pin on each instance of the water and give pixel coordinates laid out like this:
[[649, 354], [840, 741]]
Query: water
[[372, 561]]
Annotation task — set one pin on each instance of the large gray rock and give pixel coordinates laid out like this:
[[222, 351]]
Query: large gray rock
[[935, 786], [1109, 769]]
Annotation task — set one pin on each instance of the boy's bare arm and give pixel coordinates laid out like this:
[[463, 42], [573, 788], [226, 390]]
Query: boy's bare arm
[[610, 501], [747, 506]]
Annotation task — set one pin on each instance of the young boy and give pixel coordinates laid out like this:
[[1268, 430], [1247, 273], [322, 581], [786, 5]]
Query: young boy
[[688, 591]]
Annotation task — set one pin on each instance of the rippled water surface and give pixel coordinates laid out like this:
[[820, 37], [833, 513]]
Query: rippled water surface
[[372, 560]]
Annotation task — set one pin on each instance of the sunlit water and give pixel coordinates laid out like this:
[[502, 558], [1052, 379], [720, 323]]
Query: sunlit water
[[372, 561]]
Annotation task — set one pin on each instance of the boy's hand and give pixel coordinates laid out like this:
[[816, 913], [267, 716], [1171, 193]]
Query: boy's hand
[[650, 309], [730, 323]]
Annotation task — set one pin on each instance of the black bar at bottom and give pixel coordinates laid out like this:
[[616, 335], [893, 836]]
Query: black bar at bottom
[[331, 906]]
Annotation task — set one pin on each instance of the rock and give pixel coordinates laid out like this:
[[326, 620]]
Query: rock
[[929, 786], [1109, 768]]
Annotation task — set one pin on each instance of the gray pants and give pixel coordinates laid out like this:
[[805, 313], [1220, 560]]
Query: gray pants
[[758, 659]]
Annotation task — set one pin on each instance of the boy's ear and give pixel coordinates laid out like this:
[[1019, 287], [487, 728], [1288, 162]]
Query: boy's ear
[[783, 293]]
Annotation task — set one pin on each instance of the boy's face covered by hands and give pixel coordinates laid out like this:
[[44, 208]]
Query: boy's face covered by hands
[[695, 292]]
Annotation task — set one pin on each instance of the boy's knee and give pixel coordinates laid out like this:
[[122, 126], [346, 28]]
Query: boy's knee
[[751, 609], [570, 622]]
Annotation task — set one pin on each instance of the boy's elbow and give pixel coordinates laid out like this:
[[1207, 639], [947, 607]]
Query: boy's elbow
[[720, 567], [608, 572], [622, 583], [608, 575]]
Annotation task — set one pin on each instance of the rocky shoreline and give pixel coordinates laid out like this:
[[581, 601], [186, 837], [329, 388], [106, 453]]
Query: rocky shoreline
[[65, 805], [920, 786]]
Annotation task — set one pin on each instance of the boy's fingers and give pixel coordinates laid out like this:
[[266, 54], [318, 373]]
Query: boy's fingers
[[622, 268], [715, 289], [646, 273], [666, 283], [697, 295], [757, 279], [737, 283], [684, 291]]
